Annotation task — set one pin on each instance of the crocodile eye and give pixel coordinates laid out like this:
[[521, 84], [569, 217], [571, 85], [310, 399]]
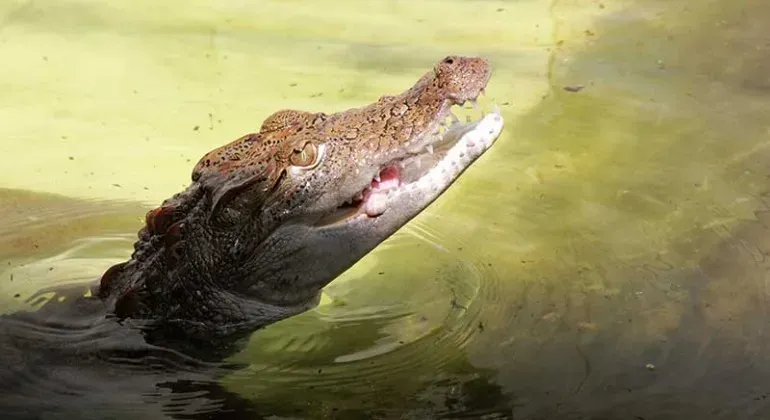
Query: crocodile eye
[[307, 157]]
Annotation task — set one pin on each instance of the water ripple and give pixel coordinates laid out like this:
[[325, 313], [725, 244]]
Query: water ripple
[[407, 310]]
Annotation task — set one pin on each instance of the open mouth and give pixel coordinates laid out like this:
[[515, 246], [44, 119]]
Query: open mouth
[[429, 155]]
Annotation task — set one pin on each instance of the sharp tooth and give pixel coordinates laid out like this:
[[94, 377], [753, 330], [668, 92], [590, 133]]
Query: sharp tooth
[[454, 118], [359, 196], [475, 104], [377, 177], [430, 148]]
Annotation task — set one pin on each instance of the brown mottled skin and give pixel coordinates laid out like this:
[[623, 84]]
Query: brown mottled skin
[[264, 225]]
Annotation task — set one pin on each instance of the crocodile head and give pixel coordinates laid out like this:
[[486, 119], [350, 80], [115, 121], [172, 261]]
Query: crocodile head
[[274, 216]]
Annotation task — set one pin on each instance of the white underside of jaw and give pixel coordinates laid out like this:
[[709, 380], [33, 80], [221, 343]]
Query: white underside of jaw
[[479, 137]]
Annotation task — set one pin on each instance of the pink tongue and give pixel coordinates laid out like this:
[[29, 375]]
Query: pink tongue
[[389, 178]]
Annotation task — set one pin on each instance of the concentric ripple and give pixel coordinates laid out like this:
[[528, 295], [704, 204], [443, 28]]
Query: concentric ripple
[[402, 316]]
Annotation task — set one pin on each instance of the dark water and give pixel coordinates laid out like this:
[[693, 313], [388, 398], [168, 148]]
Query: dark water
[[608, 259]]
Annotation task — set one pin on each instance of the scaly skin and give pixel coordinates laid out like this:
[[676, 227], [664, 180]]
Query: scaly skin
[[264, 225]]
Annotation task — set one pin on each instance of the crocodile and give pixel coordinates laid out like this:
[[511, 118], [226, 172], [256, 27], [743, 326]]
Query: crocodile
[[266, 223]]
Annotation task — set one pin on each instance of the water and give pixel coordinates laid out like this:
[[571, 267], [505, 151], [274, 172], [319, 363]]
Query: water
[[607, 259]]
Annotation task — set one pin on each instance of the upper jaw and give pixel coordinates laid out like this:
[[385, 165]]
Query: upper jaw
[[441, 133]]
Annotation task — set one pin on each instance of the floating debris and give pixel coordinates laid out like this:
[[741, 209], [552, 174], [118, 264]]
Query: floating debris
[[574, 89]]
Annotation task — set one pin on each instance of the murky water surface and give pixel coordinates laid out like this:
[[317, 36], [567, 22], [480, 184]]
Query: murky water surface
[[607, 259]]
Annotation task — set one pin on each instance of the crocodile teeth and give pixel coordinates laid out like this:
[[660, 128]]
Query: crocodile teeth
[[359, 196], [429, 148], [377, 177]]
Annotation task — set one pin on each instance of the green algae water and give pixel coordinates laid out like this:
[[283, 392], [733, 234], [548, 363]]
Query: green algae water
[[606, 259]]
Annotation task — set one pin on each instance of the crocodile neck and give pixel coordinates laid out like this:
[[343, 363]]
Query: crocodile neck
[[172, 281]]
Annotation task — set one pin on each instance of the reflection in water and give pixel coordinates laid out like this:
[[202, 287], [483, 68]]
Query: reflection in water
[[608, 259]]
